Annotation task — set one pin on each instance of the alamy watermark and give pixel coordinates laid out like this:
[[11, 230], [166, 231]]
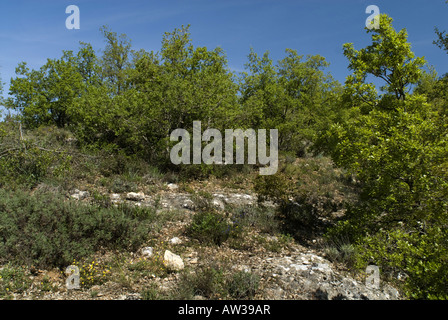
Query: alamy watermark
[[73, 21], [373, 21], [373, 278], [212, 153], [72, 281]]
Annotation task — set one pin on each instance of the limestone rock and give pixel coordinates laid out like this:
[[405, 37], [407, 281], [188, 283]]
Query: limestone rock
[[115, 197], [175, 240], [172, 186], [147, 252], [133, 196], [173, 261], [80, 195]]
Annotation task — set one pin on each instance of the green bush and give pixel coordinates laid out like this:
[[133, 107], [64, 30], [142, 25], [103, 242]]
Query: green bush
[[29, 165], [243, 285], [208, 282], [261, 218], [13, 280], [120, 185], [46, 231], [340, 250], [309, 193], [210, 228], [421, 256], [212, 282]]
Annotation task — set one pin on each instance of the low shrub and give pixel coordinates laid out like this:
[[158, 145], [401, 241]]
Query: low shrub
[[213, 282], [45, 230], [310, 194], [13, 279], [210, 228], [243, 285]]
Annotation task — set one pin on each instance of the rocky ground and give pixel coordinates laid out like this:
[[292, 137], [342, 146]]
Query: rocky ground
[[286, 269]]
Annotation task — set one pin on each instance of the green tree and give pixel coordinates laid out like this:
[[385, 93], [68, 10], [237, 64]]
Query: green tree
[[389, 58], [179, 85], [116, 60], [44, 96], [398, 150], [294, 96], [312, 97]]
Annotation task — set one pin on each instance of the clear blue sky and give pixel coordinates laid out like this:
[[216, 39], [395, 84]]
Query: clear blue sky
[[33, 31]]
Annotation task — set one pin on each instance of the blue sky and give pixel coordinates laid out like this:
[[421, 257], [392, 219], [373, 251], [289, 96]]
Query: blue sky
[[33, 31]]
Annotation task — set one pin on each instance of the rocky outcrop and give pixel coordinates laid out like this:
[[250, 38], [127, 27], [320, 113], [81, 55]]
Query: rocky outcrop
[[307, 276]]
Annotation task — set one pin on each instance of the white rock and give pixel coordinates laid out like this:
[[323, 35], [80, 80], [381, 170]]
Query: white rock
[[172, 186], [115, 197], [175, 240], [322, 267], [218, 204], [299, 267], [188, 204], [133, 196], [80, 195], [173, 261], [147, 252]]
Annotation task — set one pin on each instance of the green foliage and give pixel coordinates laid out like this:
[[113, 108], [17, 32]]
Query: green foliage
[[26, 161], [341, 251], [309, 193], [46, 231], [260, 218], [389, 58], [115, 63], [13, 279], [45, 96], [422, 255], [208, 282], [296, 97], [397, 148], [211, 228], [212, 282], [243, 285]]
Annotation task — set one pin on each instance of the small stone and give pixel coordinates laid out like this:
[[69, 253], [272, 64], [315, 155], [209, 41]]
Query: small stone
[[173, 261], [172, 186], [188, 204], [115, 197], [175, 240], [147, 252], [133, 196], [80, 195]]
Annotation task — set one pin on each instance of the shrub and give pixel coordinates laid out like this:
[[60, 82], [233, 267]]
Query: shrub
[[13, 280], [208, 282], [92, 273], [243, 285], [309, 193], [213, 282], [120, 185], [422, 257], [26, 158], [210, 228], [46, 231], [261, 218], [341, 250]]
